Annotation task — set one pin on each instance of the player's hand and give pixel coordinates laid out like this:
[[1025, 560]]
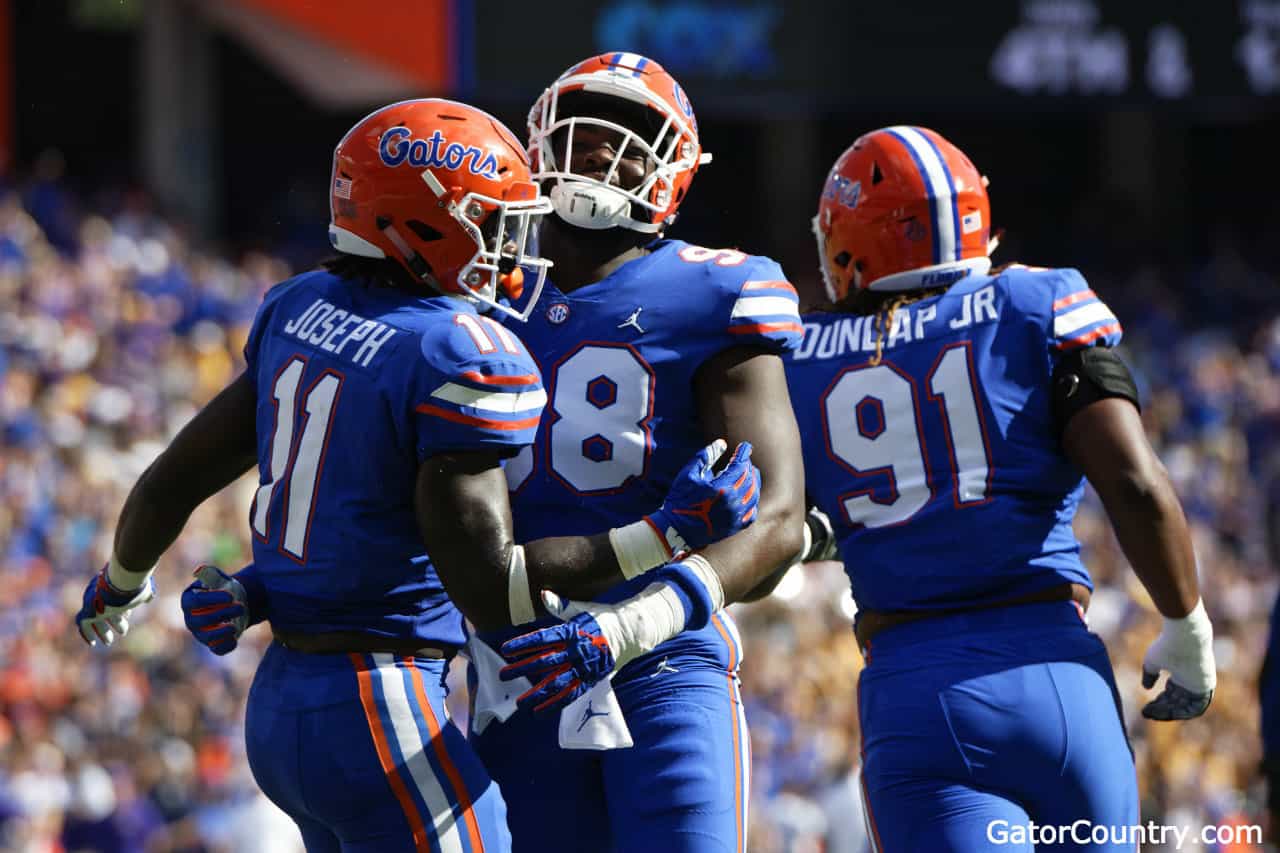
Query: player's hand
[[104, 613], [1185, 650], [215, 608], [566, 660], [704, 506]]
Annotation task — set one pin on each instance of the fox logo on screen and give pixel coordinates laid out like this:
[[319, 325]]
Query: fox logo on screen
[[396, 147]]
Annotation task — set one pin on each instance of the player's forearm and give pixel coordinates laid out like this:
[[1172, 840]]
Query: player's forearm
[[461, 505], [149, 523], [1106, 440], [1152, 531], [579, 567], [745, 561], [209, 453]]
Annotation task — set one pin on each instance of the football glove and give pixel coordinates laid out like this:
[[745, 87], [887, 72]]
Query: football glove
[[563, 661], [1185, 649], [566, 660], [216, 609], [703, 506], [104, 612]]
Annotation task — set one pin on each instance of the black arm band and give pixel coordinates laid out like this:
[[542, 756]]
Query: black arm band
[[1086, 376]]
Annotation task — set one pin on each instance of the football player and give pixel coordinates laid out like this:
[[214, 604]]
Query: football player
[[379, 403], [952, 413], [648, 346]]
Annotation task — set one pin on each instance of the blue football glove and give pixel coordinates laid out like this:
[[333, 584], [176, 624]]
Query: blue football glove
[[566, 660], [104, 612], [215, 608], [703, 506], [561, 661]]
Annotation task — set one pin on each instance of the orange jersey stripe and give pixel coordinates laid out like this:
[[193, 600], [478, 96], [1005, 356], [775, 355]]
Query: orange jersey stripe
[[1078, 296], [450, 770], [769, 285], [472, 420], [420, 841], [728, 641], [480, 378], [786, 326], [1076, 343], [737, 761]]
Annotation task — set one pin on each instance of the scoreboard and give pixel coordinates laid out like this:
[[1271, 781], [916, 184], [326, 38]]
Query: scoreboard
[[1035, 54]]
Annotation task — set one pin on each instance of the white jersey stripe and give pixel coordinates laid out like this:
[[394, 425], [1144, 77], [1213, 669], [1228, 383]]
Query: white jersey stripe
[[732, 627], [936, 178], [764, 306], [1078, 318], [404, 727], [506, 402]]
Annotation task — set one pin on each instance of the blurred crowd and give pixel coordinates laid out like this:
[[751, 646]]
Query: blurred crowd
[[113, 331]]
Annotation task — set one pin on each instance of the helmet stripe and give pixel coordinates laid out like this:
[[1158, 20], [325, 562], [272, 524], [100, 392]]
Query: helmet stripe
[[939, 189], [631, 61], [951, 191]]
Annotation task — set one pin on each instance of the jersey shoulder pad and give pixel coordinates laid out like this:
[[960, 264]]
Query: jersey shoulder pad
[[1062, 303], [751, 296], [476, 384]]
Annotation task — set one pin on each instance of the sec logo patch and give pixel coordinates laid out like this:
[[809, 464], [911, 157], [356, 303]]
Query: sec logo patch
[[557, 313]]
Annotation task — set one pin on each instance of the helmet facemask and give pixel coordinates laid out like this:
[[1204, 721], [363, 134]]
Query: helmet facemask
[[505, 235], [599, 204]]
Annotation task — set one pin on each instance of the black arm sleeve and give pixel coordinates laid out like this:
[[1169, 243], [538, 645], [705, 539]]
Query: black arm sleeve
[[1086, 376]]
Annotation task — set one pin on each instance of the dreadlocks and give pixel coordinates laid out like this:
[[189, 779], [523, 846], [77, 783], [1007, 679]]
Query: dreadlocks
[[883, 306]]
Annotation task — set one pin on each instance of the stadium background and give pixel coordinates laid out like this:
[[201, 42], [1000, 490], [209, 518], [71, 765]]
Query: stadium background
[[162, 163]]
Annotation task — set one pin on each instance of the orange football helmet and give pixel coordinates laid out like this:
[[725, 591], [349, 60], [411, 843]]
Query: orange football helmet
[[902, 209], [443, 189], [671, 147]]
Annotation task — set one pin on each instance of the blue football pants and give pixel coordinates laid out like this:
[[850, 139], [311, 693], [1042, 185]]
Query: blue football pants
[[682, 788], [978, 723], [359, 751]]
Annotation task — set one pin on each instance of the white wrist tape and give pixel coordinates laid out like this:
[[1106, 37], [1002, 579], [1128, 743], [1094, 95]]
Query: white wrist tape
[[125, 580], [1185, 648], [639, 547], [1194, 623], [705, 573], [519, 598], [642, 623]]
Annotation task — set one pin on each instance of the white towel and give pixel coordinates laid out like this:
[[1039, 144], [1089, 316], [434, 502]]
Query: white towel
[[495, 699], [592, 721]]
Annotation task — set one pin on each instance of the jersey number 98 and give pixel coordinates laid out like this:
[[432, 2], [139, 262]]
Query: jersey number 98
[[597, 426]]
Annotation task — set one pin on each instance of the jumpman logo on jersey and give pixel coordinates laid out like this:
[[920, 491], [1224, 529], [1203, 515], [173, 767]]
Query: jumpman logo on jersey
[[633, 320], [588, 713], [663, 667]]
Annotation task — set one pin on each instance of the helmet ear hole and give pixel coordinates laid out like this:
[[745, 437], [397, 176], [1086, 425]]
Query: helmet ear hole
[[876, 175], [842, 259], [424, 232]]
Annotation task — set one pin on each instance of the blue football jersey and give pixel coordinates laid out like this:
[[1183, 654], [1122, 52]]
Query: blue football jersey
[[357, 384], [940, 467], [619, 358]]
